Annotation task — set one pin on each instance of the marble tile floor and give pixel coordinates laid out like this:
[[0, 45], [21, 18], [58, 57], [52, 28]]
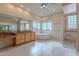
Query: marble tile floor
[[40, 48]]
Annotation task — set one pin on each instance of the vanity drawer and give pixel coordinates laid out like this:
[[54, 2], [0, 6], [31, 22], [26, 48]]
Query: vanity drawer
[[19, 39], [27, 37], [33, 36]]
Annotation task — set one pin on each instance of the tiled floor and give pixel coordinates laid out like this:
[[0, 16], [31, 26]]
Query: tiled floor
[[69, 44], [40, 48]]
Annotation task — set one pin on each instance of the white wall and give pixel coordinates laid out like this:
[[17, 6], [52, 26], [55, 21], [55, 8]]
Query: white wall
[[58, 21]]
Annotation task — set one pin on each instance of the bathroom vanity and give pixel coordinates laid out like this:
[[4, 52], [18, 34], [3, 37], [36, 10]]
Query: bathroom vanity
[[16, 38]]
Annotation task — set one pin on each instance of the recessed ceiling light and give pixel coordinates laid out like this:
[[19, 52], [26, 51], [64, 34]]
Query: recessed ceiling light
[[44, 5], [19, 9], [29, 9], [26, 12], [10, 6], [21, 6]]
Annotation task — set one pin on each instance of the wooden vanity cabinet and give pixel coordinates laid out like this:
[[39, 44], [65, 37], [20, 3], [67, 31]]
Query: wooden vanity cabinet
[[24, 37], [19, 39], [32, 36], [27, 36]]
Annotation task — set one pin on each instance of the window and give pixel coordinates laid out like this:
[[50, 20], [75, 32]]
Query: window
[[6, 27], [72, 22], [36, 26], [12, 27], [42, 27], [1, 28], [24, 26], [27, 26], [47, 26]]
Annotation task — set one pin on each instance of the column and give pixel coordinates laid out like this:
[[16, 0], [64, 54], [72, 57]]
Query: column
[[77, 41], [30, 26], [18, 25]]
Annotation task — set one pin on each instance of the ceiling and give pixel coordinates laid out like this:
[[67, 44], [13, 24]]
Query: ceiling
[[35, 8], [30, 11]]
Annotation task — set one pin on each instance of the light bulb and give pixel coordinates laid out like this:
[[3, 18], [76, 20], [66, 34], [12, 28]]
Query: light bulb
[[44, 5]]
